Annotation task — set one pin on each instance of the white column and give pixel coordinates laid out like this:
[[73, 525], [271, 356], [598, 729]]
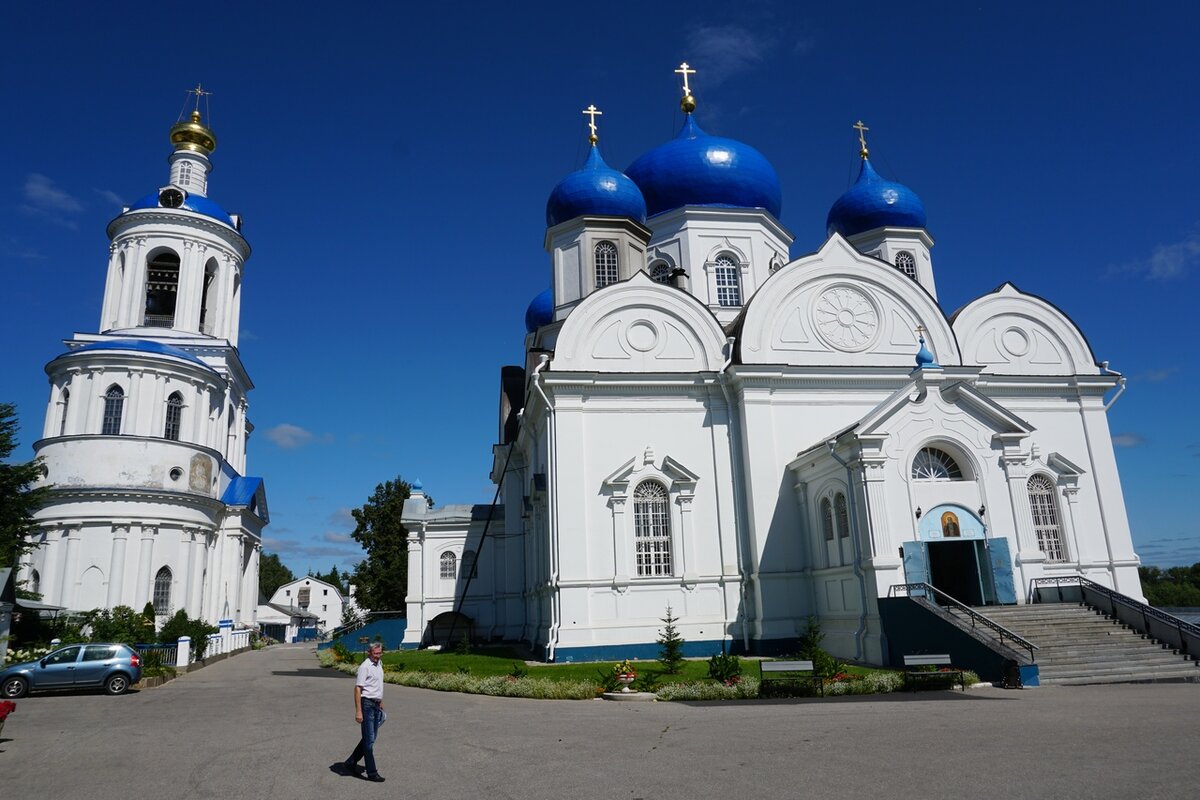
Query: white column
[[184, 318], [224, 288], [133, 424], [110, 300], [77, 409], [116, 564], [621, 560], [687, 539], [200, 577], [157, 418], [125, 301], [52, 412], [141, 592], [68, 579], [133, 305]]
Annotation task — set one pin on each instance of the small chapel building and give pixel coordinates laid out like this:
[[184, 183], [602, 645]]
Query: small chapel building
[[144, 444], [704, 423]]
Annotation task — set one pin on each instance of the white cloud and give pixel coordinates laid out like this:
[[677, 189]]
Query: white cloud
[[43, 198], [289, 436], [111, 197], [1167, 261], [719, 52], [1128, 440], [1156, 375]]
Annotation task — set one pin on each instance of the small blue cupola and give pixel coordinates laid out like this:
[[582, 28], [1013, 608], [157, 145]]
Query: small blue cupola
[[540, 311], [695, 169], [874, 202], [595, 189]]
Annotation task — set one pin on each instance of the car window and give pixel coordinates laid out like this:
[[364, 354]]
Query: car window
[[99, 652], [65, 656]]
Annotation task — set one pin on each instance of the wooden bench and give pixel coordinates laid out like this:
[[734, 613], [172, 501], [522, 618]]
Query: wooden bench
[[944, 668], [790, 672]]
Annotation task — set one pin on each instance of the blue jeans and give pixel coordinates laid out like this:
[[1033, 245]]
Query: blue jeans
[[366, 745]]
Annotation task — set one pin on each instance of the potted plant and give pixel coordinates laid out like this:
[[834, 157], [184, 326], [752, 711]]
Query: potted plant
[[625, 674]]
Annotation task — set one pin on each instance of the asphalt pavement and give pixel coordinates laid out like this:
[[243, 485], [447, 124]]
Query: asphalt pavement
[[269, 723]]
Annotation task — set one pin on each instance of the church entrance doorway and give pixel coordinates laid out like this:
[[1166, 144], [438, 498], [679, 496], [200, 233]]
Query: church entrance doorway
[[954, 569]]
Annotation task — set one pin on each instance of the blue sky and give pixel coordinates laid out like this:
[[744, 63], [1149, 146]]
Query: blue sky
[[392, 163]]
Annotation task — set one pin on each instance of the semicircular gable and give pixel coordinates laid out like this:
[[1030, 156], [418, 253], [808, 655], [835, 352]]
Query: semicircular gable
[[838, 307], [1009, 332], [640, 326]]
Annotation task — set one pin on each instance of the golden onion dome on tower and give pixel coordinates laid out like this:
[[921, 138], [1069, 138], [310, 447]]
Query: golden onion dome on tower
[[192, 135]]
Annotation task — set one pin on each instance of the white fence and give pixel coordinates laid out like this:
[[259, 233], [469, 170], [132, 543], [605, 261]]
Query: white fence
[[227, 642]]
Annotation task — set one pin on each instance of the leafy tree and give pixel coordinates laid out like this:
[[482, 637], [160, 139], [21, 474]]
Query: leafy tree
[[382, 579], [121, 624], [181, 625], [670, 645], [19, 497], [334, 577], [1171, 587], [272, 573]]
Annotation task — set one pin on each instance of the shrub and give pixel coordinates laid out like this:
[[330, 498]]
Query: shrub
[[725, 668], [744, 689], [154, 666], [121, 624], [340, 651], [824, 664]]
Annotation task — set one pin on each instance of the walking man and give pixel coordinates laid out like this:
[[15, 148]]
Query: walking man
[[368, 711]]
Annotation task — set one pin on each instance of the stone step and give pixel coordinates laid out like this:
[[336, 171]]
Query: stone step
[[1132, 677], [1084, 672]]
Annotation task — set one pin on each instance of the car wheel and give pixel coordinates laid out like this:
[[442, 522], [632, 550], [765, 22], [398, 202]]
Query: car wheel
[[14, 688], [117, 684]]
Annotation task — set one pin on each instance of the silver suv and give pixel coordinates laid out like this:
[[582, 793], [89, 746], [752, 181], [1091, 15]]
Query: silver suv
[[114, 667]]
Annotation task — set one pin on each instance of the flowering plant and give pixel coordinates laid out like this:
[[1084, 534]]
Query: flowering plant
[[624, 668], [6, 707]]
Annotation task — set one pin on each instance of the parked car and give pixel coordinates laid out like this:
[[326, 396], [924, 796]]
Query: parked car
[[113, 667]]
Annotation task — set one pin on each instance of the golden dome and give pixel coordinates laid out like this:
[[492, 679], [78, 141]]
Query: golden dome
[[191, 135]]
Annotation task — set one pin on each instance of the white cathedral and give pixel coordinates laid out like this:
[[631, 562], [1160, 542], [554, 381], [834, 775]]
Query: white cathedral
[[705, 424], [144, 443]]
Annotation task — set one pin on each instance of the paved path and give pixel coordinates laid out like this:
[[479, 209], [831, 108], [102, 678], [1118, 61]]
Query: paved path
[[268, 724]]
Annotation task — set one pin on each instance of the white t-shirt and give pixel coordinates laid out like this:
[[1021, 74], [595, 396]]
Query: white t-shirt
[[370, 678]]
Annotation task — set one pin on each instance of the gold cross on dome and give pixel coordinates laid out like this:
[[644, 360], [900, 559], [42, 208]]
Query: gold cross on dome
[[862, 140], [592, 112], [920, 331], [199, 92], [685, 70]]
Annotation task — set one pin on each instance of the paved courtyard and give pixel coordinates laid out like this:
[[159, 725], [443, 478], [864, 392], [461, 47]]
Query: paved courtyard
[[268, 724]]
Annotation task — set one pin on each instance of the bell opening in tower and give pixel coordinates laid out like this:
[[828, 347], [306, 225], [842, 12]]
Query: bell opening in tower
[[162, 284]]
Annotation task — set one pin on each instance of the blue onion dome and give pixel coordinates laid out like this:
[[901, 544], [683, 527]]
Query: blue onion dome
[[191, 202], [875, 202], [924, 357], [540, 311], [596, 189], [695, 169]]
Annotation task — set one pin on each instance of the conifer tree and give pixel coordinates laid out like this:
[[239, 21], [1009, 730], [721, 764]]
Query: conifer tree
[[670, 645], [20, 496]]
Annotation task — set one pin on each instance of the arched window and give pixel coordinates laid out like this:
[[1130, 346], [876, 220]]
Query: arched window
[[906, 264], [162, 284], [729, 283], [66, 403], [606, 264], [208, 299], [1045, 518], [652, 529], [660, 272], [174, 416], [932, 464], [114, 405], [449, 565], [185, 173], [843, 515], [467, 568], [827, 519], [162, 592], [35, 582]]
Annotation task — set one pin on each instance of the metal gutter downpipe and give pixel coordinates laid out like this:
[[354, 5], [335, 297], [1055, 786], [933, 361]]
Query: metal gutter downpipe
[[1120, 386], [552, 504], [738, 494], [858, 572]]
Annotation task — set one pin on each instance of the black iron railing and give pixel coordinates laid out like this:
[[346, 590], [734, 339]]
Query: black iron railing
[[363, 620], [940, 598], [1145, 619]]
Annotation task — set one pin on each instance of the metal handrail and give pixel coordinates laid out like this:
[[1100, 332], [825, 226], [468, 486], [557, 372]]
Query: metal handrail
[[361, 622], [1114, 597], [971, 613]]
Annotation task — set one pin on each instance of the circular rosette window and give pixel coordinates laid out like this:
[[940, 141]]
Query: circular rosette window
[[846, 318]]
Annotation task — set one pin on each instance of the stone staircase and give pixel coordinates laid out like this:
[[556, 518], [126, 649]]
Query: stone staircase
[[1079, 645]]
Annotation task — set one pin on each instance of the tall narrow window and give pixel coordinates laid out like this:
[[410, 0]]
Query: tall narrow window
[[162, 283], [932, 464], [843, 515], [652, 529], [906, 264], [66, 404], [114, 404], [660, 272], [162, 592], [606, 264], [467, 567], [1045, 518], [827, 519], [35, 583], [174, 416], [449, 565], [185, 174], [729, 284]]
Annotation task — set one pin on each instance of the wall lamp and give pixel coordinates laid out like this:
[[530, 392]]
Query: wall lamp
[[918, 512], [982, 510]]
